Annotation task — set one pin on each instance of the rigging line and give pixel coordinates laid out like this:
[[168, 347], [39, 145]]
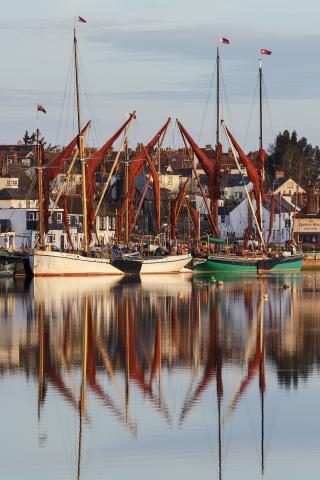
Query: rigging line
[[268, 107], [207, 103], [226, 99], [64, 98], [267, 103], [251, 112], [90, 104]]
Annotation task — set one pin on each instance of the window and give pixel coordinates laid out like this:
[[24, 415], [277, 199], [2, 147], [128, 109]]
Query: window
[[223, 218], [112, 223], [32, 216], [32, 220], [5, 226], [287, 223], [9, 159], [59, 217], [102, 223]]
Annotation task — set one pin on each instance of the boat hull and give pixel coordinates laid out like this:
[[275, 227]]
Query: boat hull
[[167, 264], [225, 264], [281, 264], [242, 265], [53, 264]]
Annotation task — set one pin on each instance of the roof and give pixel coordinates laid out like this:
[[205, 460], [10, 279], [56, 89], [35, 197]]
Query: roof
[[16, 194], [285, 207], [236, 180], [223, 210]]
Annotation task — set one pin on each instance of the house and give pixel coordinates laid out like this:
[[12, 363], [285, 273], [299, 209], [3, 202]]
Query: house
[[234, 221], [307, 222], [233, 187], [287, 187]]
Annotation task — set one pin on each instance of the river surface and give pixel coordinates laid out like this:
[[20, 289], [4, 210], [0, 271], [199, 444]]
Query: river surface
[[167, 377]]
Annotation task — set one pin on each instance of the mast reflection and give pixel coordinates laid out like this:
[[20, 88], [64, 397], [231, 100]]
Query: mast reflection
[[119, 343]]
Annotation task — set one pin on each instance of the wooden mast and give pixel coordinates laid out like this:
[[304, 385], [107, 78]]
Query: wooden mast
[[261, 172], [234, 153], [105, 188], [126, 176], [216, 214], [40, 190], [81, 147]]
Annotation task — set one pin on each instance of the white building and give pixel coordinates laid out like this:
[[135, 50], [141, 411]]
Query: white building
[[233, 222]]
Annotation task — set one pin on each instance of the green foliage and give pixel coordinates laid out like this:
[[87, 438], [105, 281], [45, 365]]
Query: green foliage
[[32, 139], [298, 158]]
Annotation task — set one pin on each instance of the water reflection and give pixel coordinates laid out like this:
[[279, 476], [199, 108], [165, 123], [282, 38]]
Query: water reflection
[[172, 367]]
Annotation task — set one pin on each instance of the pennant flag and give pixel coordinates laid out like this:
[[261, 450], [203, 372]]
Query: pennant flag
[[80, 19], [224, 40], [40, 108], [264, 51]]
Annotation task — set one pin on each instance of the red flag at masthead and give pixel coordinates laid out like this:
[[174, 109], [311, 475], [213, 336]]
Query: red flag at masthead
[[224, 40], [264, 51], [40, 108], [80, 19]]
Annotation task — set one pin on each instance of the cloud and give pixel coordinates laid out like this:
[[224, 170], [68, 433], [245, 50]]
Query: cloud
[[291, 71]]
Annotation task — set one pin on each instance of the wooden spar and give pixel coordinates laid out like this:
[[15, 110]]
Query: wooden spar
[[198, 233], [213, 227], [280, 222], [184, 195], [105, 188], [147, 156], [234, 153], [216, 211], [260, 104], [65, 179], [40, 191], [62, 184], [218, 98], [81, 148], [126, 169], [140, 203], [260, 138]]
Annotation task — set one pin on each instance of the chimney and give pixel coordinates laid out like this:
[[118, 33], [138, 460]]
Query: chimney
[[311, 200], [279, 173]]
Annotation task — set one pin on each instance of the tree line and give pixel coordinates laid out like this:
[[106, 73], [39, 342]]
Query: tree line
[[295, 156]]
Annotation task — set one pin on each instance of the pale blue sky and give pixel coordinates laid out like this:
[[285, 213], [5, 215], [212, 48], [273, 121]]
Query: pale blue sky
[[157, 56]]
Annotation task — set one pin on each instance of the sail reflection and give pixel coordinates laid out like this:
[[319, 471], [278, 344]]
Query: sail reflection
[[117, 343]]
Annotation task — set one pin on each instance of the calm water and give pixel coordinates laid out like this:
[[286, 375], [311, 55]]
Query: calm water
[[165, 378]]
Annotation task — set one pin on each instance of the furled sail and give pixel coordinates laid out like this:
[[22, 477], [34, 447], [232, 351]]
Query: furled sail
[[135, 168], [211, 171], [195, 217], [175, 206], [156, 189], [137, 162], [251, 169], [93, 163], [53, 169]]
